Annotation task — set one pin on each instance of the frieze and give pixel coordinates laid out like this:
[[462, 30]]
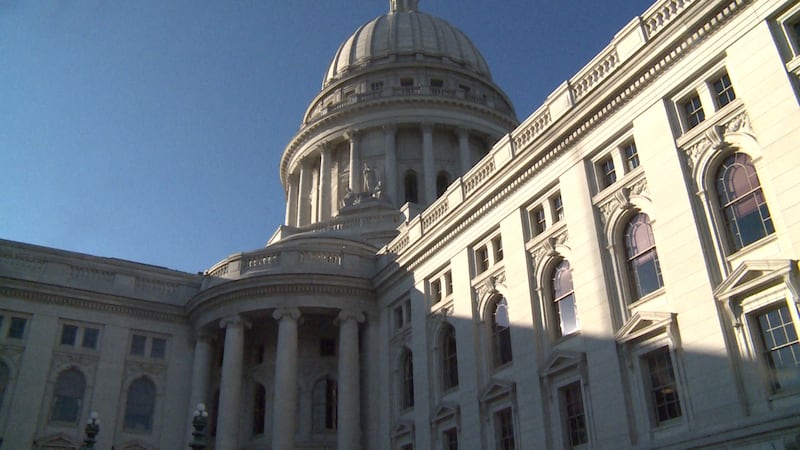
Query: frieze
[[24, 262], [86, 273]]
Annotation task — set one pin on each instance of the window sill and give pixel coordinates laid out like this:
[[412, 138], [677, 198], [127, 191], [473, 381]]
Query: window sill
[[658, 293], [750, 251], [717, 117]]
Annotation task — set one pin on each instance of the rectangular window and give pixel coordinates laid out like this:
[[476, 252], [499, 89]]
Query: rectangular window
[[437, 83], [406, 82], [377, 86], [724, 90], [482, 259], [158, 348], [69, 334], [558, 207], [448, 283], [607, 173], [694, 111], [16, 329], [573, 415], [781, 348], [436, 291], [631, 156], [90, 338], [663, 389], [450, 439], [497, 246], [504, 430], [795, 27], [538, 220], [138, 342]]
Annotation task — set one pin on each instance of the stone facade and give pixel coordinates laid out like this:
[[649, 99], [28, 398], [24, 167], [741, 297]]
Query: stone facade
[[617, 271]]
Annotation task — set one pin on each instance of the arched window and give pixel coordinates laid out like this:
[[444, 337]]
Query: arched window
[[739, 192], [259, 409], [640, 247], [449, 357], [501, 333], [68, 396], [407, 381], [324, 397], [442, 181], [5, 378], [566, 311], [140, 405], [411, 188]]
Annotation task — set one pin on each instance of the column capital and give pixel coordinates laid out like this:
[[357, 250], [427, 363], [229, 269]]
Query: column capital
[[234, 321], [290, 313], [352, 135], [203, 334], [389, 128], [426, 127], [325, 147], [462, 132], [345, 315]]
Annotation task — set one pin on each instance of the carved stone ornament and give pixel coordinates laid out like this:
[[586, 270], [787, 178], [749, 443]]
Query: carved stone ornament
[[547, 248], [11, 352], [489, 285], [61, 359], [134, 368], [621, 199], [713, 139]]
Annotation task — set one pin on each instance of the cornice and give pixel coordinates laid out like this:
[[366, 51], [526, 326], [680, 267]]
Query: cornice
[[528, 162]]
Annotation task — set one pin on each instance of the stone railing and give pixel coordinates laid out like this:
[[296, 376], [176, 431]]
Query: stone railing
[[662, 13]]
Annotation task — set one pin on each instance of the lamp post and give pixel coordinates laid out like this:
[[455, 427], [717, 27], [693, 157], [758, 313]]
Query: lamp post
[[199, 423], [92, 428]]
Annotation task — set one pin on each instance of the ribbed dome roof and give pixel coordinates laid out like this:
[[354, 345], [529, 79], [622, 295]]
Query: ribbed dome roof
[[406, 32]]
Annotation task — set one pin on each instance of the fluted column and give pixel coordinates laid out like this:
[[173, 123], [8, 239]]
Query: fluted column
[[325, 186], [230, 386], [428, 164], [463, 150], [303, 192], [355, 161], [201, 368], [349, 402], [285, 400], [390, 164], [291, 201]]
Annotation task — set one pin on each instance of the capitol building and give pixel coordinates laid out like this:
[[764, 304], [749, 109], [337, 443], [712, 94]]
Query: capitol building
[[618, 269]]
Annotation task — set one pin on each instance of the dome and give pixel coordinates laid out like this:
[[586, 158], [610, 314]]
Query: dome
[[406, 33]]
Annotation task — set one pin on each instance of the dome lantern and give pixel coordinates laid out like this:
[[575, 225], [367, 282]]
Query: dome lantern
[[403, 5]]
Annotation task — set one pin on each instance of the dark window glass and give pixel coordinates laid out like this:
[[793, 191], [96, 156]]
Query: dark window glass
[[140, 404], [501, 334], [90, 337], [564, 299], [574, 416], [406, 82], [442, 182], [781, 347], [663, 390], [69, 334], [377, 86], [407, 394], [158, 348], [213, 415], [450, 439], [724, 90], [796, 30], [504, 429], [644, 269], [539, 221], [631, 156], [327, 347], [739, 192], [138, 343], [16, 329], [694, 111], [497, 246], [411, 190], [482, 259], [558, 208], [449, 357], [437, 83], [5, 378], [436, 291], [68, 396], [259, 409], [607, 171], [448, 283]]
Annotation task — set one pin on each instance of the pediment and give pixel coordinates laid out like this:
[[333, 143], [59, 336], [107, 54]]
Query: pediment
[[444, 411], [755, 274], [562, 360], [643, 323], [496, 389], [58, 441], [403, 428]]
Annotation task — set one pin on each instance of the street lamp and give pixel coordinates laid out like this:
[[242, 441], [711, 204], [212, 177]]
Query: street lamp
[[92, 428], [199, 423]]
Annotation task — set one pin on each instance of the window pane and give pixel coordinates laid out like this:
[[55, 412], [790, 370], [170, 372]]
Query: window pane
[[90, 336], [16, 329], [408, 381], [5, 377], [449, 358], [631, 156], [573, 413], [643, 267], [694, 111], [450, 439], [259, 409], [138, 343], [68, 334], [743, 206], [159, 348], [504, 430], [663, 389], [68, 396], [724, 90], [140, 405], [781, 347]]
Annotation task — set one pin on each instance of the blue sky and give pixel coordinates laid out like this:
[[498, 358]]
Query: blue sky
[[151, 130]]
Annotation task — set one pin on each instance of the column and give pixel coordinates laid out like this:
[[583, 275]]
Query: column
[[291, 201], [201, 366], [463, 150], [390, 164], [230, 386], [348, 408], [285, 400], [428, 164], [325, 188], [355, 161], [303, 191]]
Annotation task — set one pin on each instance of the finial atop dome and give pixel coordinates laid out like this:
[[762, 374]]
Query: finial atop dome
[[403, 5]]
